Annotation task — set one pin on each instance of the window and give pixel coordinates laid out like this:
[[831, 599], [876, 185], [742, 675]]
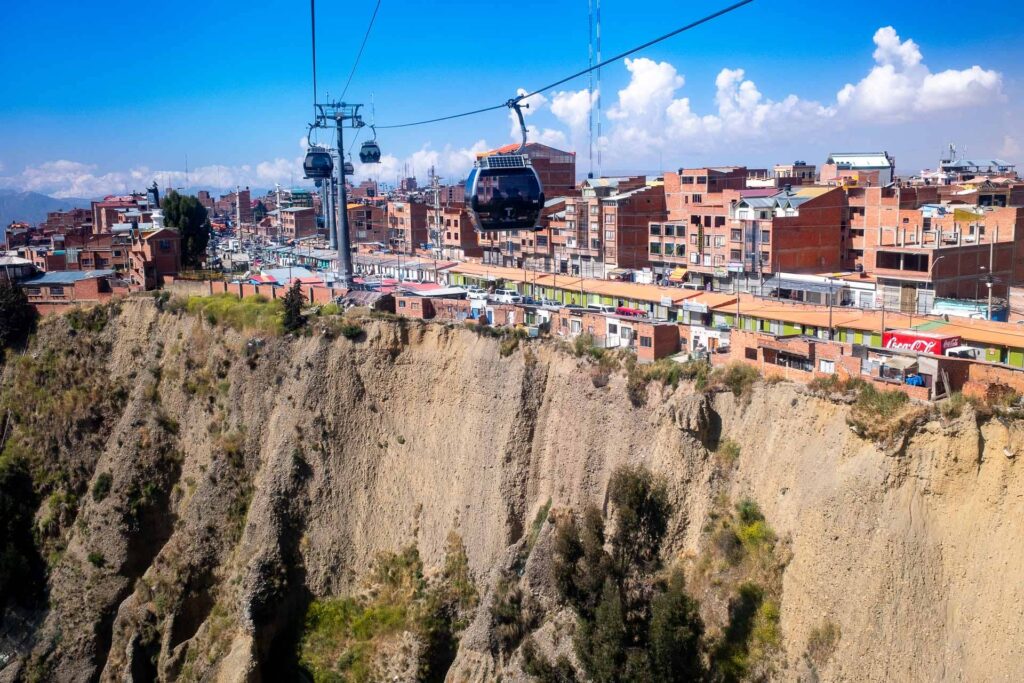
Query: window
[[165, 245], [719, 221], [609, 235], [56, 291], [694, 256], [702, 180], [719, 240], [613, 328], [670, 230], [828, 366], [693, 240], [593, 209], [750, 354], [575, 326], [707, 221], [680, 250], [570, 209], [570, 225], [595, 244], [764, 257], [401, 304], [766, 236], [687, 180], [609, 219], [735, 235], [656, 229], [646, 342], [697, 199], [33, 291], [655, 248], [734, 255]]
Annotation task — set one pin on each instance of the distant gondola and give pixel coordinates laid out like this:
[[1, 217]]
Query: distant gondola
[[369, 152], [503, 193]]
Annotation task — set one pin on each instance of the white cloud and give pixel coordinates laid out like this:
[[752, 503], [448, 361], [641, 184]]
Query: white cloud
[[64, 178], [900, 86]]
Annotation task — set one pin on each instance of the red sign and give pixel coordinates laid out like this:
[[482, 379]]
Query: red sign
[[919, 342]]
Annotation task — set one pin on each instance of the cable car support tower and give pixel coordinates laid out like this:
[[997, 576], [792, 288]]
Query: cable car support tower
[[340, 115]]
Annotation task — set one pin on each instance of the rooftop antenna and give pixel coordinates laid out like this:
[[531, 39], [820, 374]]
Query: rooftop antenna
[[590, 87], [598, 87]]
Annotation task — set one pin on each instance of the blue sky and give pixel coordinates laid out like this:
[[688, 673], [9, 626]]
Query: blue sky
[[95, 101]]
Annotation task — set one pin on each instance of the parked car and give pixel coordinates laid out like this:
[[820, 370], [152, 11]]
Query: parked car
[[968, 352], [475, 293], [601, 308], [549, 303], [507, 296]]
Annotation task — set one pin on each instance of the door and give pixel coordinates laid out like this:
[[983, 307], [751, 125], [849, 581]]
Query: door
[[908, 299]]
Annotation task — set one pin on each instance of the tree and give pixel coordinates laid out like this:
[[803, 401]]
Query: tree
[[293, 303], [675, 633], [642, 512], [601, 644], [17, 316], [189, 218]]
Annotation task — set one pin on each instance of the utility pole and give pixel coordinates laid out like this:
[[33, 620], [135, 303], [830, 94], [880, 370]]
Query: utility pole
[[991, 264]]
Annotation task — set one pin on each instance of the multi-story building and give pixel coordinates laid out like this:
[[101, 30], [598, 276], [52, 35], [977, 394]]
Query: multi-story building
[[918, 247], [407, 225], [154, 254], [297, 222], [107, 212], [65, 221], [744, 235], [458, 238], [367, 223], [796, 173], [605, 228]]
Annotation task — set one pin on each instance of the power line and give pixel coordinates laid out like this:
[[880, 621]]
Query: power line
[[312, 23], [595, 67], [359, 55]]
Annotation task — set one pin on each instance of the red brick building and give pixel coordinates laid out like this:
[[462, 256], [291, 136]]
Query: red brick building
[[407, 225], [555, 168], [154, 255], [297, 222], [367, 223]]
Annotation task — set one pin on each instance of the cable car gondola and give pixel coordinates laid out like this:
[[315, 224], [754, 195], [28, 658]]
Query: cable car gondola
[[503, 191], [369, 152], [317, 164], [349, 168]]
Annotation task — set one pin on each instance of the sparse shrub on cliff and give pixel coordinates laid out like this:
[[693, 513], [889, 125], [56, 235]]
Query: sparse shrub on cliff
[[739, 378], [600, 376], [821, 643], [101, 487], [344, 638], [508, 346]]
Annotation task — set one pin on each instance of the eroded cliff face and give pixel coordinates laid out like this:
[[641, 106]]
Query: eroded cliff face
[[248, 477]]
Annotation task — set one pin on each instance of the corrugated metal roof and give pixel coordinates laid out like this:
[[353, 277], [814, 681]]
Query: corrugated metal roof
[[67, 277]]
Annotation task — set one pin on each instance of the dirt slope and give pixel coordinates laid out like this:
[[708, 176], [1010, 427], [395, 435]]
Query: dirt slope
[[248, 478]]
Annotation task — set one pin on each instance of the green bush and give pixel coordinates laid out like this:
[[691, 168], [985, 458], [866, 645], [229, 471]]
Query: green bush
[[330, 309], [101, 487], [508, 346], [97, 560], [737, 377], [350, 330]]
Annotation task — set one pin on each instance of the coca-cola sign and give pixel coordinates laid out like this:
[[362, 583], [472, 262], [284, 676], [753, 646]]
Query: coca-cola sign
[[919, 342]]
